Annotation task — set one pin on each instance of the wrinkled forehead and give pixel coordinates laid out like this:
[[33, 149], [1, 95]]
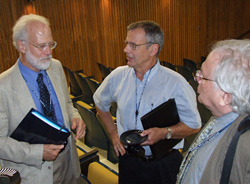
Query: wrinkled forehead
[[209, 65], [37, 30], [136, 35]]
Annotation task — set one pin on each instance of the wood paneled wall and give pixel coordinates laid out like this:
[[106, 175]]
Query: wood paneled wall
[[90, 31]]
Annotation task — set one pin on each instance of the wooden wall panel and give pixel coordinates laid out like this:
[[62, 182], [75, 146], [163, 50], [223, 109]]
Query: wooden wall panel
[[90, 31]]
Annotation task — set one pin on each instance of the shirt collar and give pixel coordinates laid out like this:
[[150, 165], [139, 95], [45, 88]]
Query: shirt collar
[[154, 69], [151, 72], [27, 73], [223, 121]]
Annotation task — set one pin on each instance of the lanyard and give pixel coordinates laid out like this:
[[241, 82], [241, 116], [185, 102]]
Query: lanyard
[[209, 138], [137, 106]]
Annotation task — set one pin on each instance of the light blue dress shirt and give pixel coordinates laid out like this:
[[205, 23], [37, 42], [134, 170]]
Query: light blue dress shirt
[[30, 77], [162, 84]]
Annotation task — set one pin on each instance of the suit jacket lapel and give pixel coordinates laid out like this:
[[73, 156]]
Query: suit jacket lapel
[[55, 78], [21, 94]]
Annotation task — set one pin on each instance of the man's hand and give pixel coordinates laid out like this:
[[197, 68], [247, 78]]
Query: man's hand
[[179, 131], [113, 132], [80, 127], [118, 146], [154, 135], [51, 151]]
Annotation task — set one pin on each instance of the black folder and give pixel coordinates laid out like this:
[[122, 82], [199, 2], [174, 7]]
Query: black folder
[[164, 115], [36, 128]]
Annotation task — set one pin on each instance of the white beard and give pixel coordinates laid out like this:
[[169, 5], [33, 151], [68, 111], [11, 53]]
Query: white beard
[[38, 63]]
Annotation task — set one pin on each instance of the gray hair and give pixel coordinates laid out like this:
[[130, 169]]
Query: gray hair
[[20, 27], [232, 74], [153, 32]]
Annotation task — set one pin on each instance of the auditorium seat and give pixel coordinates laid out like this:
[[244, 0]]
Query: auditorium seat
[[185, 72], [190, 64], [168, 65], [99, 173], [111, 154], [86, 91], [101, 167], [86, 157], [93, 84], [75, 89], [105, 71], [95, 135]]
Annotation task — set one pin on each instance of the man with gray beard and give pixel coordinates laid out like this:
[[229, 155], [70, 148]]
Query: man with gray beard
[[19, 92]]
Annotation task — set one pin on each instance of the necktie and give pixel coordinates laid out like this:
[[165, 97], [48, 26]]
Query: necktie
[[193, 149], [47, 104]]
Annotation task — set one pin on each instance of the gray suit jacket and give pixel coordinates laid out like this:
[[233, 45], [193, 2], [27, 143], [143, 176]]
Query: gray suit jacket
[[15, 102], [240, 173]]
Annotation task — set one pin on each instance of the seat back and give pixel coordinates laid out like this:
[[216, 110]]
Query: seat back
[[95, 135], [111, 154], [86, 158], [203, 58], [100, 173], [113, 109], [93, 84], [185, 72], [168, 65], [104, 70], [75, 89], [110, 69], [87, 95], [194, 85], [190, 64]]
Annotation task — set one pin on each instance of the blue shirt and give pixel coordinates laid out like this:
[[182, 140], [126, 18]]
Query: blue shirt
[[30, 77], [161, 85], [203, 154]]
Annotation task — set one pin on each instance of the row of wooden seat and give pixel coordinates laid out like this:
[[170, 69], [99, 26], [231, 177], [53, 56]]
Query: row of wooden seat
[[187, 63], [96, 133], [82, 88], [93, 171]]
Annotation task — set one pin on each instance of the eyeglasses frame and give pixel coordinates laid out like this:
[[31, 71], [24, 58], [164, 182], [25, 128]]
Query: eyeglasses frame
[[199, 75], [43, 46], [133, 46]]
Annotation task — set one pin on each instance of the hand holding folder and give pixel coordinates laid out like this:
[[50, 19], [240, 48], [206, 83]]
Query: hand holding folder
[[36, 128], [164, 115]]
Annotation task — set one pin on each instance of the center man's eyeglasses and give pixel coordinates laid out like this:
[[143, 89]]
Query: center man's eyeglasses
[[133, 46]]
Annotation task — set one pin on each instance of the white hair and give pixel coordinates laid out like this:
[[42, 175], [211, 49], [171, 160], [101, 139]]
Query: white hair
[[232, 74], [20, 27]]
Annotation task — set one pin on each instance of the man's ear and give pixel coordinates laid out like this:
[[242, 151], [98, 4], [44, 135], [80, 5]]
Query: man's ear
[[21, 46], [226, 99], [154, 49]]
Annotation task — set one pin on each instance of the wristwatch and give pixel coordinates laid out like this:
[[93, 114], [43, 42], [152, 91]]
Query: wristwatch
[[169, 134]]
